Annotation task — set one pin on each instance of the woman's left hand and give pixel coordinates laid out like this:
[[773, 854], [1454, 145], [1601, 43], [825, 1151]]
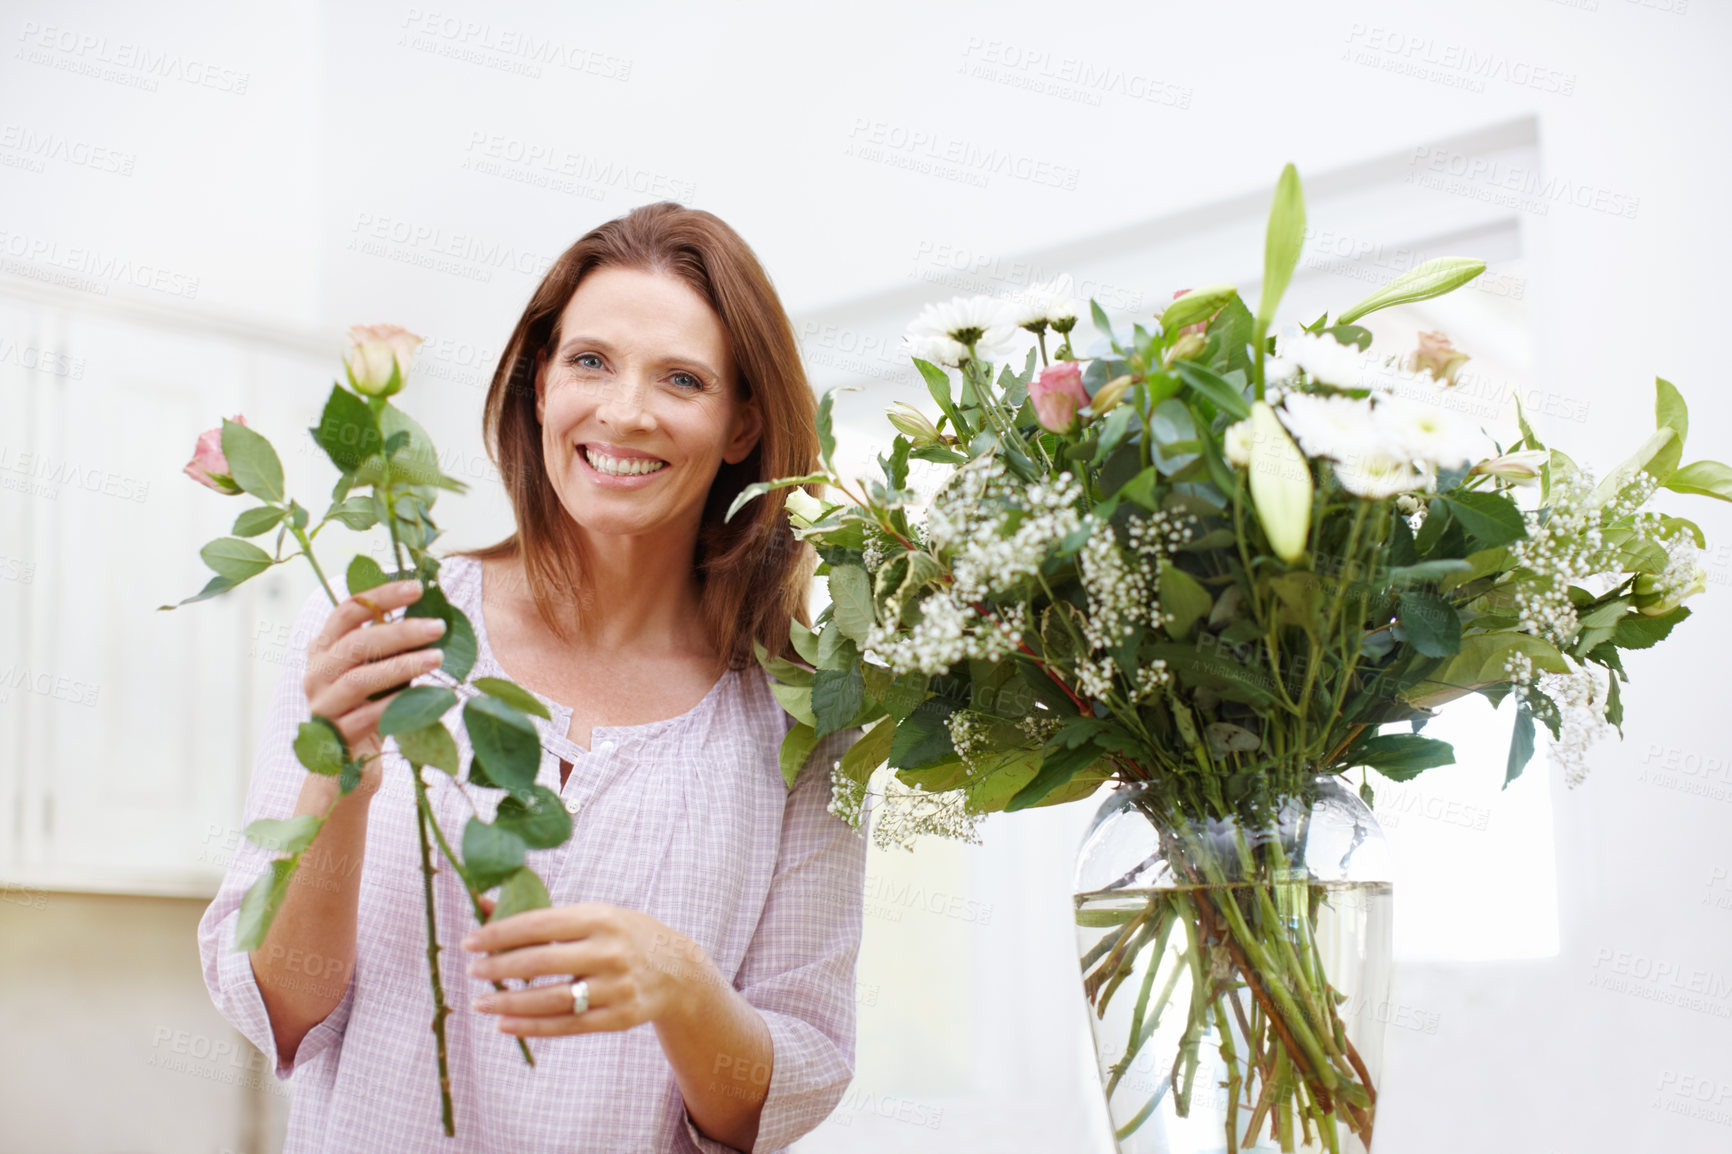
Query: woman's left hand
[[638, 969]]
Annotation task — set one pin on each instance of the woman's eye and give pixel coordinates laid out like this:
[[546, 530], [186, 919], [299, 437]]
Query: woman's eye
[[687, 381], [586, 361]]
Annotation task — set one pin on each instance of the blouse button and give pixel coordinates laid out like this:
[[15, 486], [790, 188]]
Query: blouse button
[[572, 805], [604, 746]]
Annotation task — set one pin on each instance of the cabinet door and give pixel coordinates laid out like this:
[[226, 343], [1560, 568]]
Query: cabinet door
[[128, 732]]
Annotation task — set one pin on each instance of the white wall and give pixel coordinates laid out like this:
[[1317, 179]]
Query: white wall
[[270, 213]]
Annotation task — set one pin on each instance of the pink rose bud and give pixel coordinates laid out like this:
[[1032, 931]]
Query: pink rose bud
[[1057, 394], [378, 356], [208, 465], [1438, 357]]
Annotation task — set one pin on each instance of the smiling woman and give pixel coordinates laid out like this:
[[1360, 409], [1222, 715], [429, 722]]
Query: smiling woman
[[652, 376]]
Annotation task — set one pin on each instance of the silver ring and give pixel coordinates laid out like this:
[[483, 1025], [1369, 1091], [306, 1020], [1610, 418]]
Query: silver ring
[[579, 996]]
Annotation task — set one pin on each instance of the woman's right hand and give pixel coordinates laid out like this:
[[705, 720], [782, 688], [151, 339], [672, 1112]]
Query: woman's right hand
[[355, 656]]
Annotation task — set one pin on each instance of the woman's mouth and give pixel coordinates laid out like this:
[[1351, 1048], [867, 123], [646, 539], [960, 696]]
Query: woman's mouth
[[610, 466]]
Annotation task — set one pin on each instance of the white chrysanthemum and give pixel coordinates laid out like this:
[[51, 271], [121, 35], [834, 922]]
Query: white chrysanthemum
[[1327, 426], [1427, 431], [982, 322], [936, 349], [1375, 474], [1049, 302], [1325, 359], [1279, 369], [1237, 444]]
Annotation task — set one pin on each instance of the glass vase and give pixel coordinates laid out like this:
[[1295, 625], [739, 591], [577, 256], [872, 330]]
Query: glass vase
[[1235, 965]]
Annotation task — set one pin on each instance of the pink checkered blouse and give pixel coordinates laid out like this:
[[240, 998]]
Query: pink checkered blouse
[[686, 819]]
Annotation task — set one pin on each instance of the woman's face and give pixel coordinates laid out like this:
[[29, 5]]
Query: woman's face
[[638, 404]]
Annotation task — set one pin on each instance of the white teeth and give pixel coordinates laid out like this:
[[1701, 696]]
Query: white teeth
[[621, 466]]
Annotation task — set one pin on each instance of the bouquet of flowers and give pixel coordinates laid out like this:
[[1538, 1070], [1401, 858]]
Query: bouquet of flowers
[[389, 476], [1213, 563]]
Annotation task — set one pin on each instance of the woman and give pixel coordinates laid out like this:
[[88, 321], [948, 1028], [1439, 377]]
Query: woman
[[653, 374]]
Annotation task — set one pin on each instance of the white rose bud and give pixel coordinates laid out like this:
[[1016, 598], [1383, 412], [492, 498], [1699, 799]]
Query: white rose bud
[[377, 358]]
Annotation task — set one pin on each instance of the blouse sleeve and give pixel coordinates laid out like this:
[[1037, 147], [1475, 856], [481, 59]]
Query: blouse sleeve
[[275, 787], [799, 970]]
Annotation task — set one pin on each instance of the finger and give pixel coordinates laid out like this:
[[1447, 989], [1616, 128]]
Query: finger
[[366, 606], [351, 690], [588, 1022], [488, 905], [549, 999], [537, 961], [549, 924], [371, 642]]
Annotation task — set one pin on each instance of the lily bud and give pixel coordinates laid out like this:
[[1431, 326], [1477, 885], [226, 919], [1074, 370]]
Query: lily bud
[[1110, 394], [912, 423], [1185, 348], [1523, 468], [1280, 484]]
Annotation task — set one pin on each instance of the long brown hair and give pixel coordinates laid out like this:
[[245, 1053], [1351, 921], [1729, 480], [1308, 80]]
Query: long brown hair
[[754, 573]]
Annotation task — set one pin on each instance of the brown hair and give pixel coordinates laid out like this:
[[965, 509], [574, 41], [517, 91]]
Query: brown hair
[[753, 571]]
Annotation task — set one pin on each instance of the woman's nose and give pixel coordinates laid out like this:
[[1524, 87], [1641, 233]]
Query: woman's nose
[[623, 403]]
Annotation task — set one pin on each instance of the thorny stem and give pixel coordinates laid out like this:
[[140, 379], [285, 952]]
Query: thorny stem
[[440, 1009]]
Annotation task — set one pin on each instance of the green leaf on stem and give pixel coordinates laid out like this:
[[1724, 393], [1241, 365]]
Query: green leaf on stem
[[289, 835], [1521, 743], [260, 905], [797, 746], [1703, 478], [1401, 756], [1057, 767], [1215, 388], [758, 488], [518, 893], [252, 522], [504, 740], [538, 816], [347, 430], [513, 695], [1432, 625], [851, 594], [212, 587], [490, 854], [1490, 519], [235, 559], [355, 512], [432, 744], [319, 746], [1634, 631], [364, 574], [1479, 663], [414, 708], [1183, 600], [458, 640], [837, 695], [252, 462], [1670, 412]]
